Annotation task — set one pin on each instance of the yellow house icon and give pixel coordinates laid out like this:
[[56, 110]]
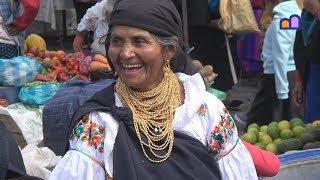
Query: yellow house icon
[[285, 24]]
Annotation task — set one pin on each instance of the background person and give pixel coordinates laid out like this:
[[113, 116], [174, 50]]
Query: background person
[[273, 100], [15, 17], [307, 57]]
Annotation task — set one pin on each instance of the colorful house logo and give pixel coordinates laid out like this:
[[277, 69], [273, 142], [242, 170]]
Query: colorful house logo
[[292, 23]]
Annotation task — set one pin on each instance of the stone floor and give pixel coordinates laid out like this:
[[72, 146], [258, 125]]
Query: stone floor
[[245, 91]]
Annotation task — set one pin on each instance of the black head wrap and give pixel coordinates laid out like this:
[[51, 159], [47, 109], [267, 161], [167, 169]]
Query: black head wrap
[[159, 17]]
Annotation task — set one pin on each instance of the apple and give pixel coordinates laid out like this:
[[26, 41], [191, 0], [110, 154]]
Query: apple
[[62, 77], [34, 51], [30, 55], [60, 53], [63, 58], [80, 55], [52, 53], [47, 63], [56, 62], [41, 54], [47, 54], [64, 70]]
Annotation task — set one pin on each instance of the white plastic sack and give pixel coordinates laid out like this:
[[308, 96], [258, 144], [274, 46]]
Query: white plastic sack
[[28, 119], [39, 161]]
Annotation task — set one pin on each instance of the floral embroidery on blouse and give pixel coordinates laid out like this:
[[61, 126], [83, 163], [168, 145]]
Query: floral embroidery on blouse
[[202, 111], [89, 133], [222, 132]]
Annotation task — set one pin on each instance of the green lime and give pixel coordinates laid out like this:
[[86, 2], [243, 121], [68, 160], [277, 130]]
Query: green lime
[[264, 129], [254, 125], [260, 145], [298, 130], [265, 139], [250, 138], [272, 148], [282, 125], [286, 134]]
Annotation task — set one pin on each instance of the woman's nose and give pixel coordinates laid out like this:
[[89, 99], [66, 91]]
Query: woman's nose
[[127, 51]]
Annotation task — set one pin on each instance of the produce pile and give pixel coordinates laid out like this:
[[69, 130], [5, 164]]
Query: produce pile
[[283, 136], [60, 66]]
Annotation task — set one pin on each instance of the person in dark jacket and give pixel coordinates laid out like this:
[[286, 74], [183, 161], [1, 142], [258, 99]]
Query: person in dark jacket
[[307, 57], [11, 162]]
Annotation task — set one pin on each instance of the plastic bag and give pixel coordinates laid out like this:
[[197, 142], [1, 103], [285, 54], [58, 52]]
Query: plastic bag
[[219, 94], [237, 17], [28, 119], [38, 93], [39, 161], [18, 71]]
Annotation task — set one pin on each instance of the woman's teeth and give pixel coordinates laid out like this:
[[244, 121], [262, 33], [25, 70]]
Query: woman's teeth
[[132, 65]]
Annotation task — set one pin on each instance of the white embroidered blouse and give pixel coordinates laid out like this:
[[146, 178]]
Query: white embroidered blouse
[[202, 116]]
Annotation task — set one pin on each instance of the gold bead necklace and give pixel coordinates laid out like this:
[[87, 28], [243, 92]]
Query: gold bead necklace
[[153, 113]]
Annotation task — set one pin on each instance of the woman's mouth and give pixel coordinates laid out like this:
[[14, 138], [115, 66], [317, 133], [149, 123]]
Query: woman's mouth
[[131, 67]]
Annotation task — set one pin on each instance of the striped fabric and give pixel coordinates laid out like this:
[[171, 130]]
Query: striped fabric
[[18, 71], [248, 49]]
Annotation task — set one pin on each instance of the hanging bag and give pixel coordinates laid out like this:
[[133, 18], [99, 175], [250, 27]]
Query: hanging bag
[[237, 17]]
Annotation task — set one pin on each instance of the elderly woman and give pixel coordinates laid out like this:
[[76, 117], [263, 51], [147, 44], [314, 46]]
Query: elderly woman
[[152, 123]]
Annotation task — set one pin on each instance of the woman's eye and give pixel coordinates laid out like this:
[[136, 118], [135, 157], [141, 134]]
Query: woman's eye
[[116, 41], [139, 42]]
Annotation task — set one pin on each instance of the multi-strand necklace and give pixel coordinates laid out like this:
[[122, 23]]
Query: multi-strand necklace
[[153, 113]]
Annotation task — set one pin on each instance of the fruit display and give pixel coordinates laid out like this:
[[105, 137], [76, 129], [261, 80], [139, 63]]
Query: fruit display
[[283, 136], [60, 66]]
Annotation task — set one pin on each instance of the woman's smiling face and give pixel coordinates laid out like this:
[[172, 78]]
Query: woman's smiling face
[[137, 57]]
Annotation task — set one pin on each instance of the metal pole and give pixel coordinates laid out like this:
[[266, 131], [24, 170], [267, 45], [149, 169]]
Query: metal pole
[[231, 64]]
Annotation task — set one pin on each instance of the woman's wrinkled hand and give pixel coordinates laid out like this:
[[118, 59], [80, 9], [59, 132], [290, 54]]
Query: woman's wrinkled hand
[[12, 30], [78, 42], [205, 71], [299, 94]]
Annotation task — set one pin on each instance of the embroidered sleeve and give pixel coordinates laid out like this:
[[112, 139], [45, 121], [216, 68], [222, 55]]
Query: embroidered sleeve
[[88, 138], [223, 136]]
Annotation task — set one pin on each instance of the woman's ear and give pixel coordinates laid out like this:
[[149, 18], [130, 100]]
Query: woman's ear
[[171, 50]]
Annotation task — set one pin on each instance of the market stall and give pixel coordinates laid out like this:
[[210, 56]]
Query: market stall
[[296, 143], [27, 83]]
